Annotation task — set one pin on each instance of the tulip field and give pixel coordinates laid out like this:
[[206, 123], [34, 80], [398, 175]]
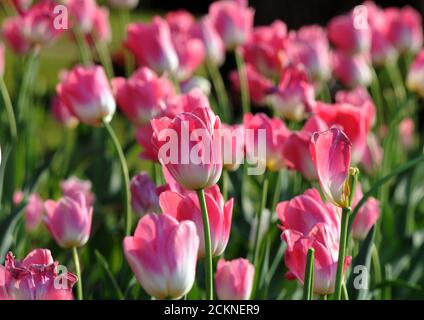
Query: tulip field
[[186, 156]]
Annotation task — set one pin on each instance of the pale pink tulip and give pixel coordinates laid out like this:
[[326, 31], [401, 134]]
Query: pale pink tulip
[[187, 102], [234, 279], [73, 186], [101, 31], [34, 211], [406, 132]]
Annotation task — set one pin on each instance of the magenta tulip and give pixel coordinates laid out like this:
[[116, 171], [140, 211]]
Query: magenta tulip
[[13, 35]]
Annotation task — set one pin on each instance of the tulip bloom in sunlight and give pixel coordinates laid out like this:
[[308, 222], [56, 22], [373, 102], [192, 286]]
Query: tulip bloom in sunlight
[[69, 221], [415, 77], [34, 212], [186, 207], [36, 277], [144, 194], [331, 152], [163, 255], [189, 146], [73, 186], [87, 94], [234, 279], [366, 217]]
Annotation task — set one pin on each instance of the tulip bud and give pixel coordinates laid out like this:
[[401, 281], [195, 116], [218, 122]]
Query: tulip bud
[[144, 195], [234, 279], [73, 186], [33, 212], [366, 216]]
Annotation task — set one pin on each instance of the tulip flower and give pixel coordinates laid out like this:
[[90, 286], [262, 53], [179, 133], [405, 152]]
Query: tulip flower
[[143, 136], [142, 96], [33, 212], [406, 132], [180, 21], [195, 159], [233, 20], [87, 94], [163, 254], [187, 102], [123, 4], [152, 45], [101, 31], [234, 279], [73, 186], [275, 134], [13, 35], [36, 277], [187, 207], [233, 145], [69, 220], [331, 152], [62, 114], [366, 217], [190, 52], [415, 77], [213, 44], [144, 194], [351, 71], [83, 13]]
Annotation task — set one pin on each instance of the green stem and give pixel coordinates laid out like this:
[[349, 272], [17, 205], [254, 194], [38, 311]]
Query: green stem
[[125, 176], [259, 217], [27, 78], [244, 86], [225, 181], [218, 83], [78, 272], [104, 57], [376, 264], [9, 109], [342, 253], [208, 248], [308, 285], [84, 50], [124, 18]]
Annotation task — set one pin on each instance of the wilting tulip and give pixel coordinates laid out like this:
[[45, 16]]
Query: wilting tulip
[[187, 207], [233, 20], [69, 221], [73, 186], [87, 94], [265, 134], [351, 71], [331, 152], [163, 254], [144, 194], [367, 215], [296, 148], [62, 114], [33, 212], [258, 85], [123, 4], [214, 46], [35, 278], [294, 97], [152, 45], [195, 155], [415, 77], [233, 145], [83, 13], [234, 279], [13, 34], [404, 29], [347, 35], [142, 96]]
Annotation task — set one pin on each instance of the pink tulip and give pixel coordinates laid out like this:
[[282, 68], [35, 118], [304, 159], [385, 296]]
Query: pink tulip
[[13, 34], [33, 212], [144, 195], [187, 102], [309, 47], [180, 21], [142, 96], [296, 148], [62, 114], [2, 59], [415, 77], [366, 217], [152, 45], [404, 28], [69, 221], [73, 186], [372, 156], [187, 207], [190, 52], [143, 136], [346, 35], [351, 71], [275, 134], [331, 152], [87, 94], [195, 159], [233, 145], [234, 279], [294, 97], [83, 13], [18, 196], [264, 50], [163, 254], [35, 278], [101, 31], [233, 20], [258, 85], [406, 132], [123, 4], [214, 46]]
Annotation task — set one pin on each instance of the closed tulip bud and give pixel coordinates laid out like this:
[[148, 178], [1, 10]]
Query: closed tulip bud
[[69, 221], [144, 195], [163, 255], [234, 279], [366, 216], [73, 186], [33, 212], [331, 152], [87, 94]]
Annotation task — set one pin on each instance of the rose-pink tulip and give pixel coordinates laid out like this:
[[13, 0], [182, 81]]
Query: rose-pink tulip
[[87, 94], [233, 20], [101, 31], [331, 153], [163, 255], [351, 70], [73, 186], [214, 46], [152, 45], [187, 207], [123, 4], [234, 279], [187, 102], [13, 34], [144, 194], [36, 277], [195, 158], [83, 13], [367, 215], [33, 212], [62, 114], [142, 97], [69, 221], [415, 77]]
